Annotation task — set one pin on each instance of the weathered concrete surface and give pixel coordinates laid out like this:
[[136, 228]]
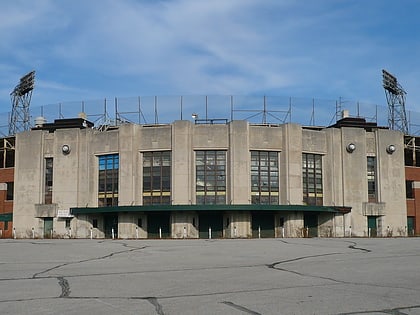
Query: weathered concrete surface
[[270, 276]]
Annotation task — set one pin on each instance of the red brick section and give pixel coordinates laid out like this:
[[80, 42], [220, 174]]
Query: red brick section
[[413, 205], [6, 206]]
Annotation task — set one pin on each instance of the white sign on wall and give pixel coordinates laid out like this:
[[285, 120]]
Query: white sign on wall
[[64, 214]]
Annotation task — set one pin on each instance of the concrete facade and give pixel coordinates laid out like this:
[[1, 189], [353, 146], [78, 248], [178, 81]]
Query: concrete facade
[[75, 180]]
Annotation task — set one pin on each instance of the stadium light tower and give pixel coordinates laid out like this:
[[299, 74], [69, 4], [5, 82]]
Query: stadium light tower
[[21, 99], [395, 96]]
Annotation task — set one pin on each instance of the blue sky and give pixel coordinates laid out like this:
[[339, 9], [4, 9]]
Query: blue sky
[[96, 49]]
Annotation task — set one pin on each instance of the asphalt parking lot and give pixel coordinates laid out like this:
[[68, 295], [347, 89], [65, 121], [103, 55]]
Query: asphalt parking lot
[[232, 276]]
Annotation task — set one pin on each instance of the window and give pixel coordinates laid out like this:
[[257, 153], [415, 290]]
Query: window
[[371, 178], [140, 222], [264, 177], [68, 221], [49, 165], [157, 177], [95, 223], [108, 180], [409, 189], [210, 177], [312, 179], [7, 152], [10, 189]]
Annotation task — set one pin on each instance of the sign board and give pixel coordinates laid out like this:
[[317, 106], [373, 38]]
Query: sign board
[[64, 214]]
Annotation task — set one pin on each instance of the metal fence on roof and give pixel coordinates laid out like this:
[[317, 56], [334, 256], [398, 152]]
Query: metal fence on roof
[[206, 108]]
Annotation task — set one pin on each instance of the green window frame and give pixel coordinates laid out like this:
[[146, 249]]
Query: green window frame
[[210, 167], [312, 179], [371, 179], [157, 177], [48, 187], [108, 180], [264, 177]]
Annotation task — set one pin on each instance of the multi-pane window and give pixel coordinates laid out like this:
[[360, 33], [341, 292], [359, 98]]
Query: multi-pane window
[[10, 190], [264, 177], [48, 189], [7, 152], [157, 177], [371, 177], [312, 179], [210, 177], [108, 180], [409, 193]]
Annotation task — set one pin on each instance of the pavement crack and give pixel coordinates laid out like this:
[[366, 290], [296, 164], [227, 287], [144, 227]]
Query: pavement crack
[[65, 287], [156, 304], [240, 308], [353, 246], [273, 265], [36, 275], [393, 311]]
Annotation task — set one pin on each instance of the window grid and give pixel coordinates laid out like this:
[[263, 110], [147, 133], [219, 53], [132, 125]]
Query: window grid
[[264, 177], [312, 179], [108, 180], [210, 177], [157, 177], [371, 178], [48, 189], [10, 190]]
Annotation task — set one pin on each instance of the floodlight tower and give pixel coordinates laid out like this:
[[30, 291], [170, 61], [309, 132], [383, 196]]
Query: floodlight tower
[[21, 99], [395, 96]]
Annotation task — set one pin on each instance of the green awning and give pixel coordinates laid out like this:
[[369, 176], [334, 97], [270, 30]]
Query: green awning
[[6, 217], [247, 207]]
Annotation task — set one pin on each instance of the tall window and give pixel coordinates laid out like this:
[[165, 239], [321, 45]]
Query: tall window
[[312, 179], [7, 152], [210, 177], [108, 180], [157, 177], [48, 189], [371, 177], [264, 177], [409, 193], [10, 190]]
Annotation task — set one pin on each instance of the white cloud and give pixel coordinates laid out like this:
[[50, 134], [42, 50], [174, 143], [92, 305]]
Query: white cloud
[[323, 49]]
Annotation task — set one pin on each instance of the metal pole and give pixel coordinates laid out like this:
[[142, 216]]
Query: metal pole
[[231, 107], [160, 232], [181, 107], [206, 107], [209, 232]]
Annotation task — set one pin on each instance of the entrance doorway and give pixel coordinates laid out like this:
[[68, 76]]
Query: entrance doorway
[[158, 225], [48, 227], [263, 225], [372, 226], [111, 225], [410, 226], [210, 225], [310, 222]]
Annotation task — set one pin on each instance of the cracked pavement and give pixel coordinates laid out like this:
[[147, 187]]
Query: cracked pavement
[[232, 276]]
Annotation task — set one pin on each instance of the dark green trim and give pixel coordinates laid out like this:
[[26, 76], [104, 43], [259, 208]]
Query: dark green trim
[[303, 208], [6, 217]]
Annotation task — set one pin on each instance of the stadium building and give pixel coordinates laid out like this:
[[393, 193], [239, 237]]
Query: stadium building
[[214, 179]]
